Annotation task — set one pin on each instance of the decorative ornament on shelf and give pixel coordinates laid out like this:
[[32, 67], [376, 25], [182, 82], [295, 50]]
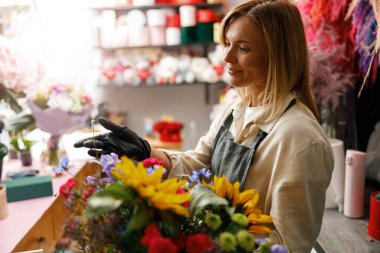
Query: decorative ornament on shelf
[[59, 109], [129, 207]]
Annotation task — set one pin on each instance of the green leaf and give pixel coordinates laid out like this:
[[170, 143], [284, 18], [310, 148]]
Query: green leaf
[[3, 151], [10, 98], [20, 122], [118, 190], [203, 197], [140, 218], [101, 203], [109, 199]]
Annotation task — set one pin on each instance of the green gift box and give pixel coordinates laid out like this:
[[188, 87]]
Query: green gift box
[[28, 188]]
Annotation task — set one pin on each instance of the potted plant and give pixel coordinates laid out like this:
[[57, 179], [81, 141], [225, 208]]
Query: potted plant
[[23, 146]]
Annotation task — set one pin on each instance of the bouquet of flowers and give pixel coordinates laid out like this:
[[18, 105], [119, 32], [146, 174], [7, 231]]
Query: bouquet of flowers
[[128, 207], [59, 109]]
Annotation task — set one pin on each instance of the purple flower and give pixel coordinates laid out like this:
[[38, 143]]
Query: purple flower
[[278, 249], [199, 175], [63, 165], [258, 241], [107, 162], [97, 182]]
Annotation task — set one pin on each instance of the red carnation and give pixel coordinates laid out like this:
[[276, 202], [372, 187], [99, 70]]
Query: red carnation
[[149, 162], [66, 188], [151, 232], [161, 244], [199, 243]]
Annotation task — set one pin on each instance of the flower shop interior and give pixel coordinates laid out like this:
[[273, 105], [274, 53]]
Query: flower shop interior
[[157, 67]]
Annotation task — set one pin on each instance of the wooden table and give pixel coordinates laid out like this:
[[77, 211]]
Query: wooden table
[[347, 235], [36, 223]]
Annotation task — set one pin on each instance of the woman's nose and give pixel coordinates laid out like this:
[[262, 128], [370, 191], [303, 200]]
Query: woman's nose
[[229, 56]]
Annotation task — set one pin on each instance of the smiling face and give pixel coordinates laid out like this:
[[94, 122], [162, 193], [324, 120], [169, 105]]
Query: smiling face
[[245, 54]]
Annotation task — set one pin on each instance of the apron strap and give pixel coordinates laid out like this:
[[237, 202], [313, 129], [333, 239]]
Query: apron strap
[[261, 134], [228, 121]]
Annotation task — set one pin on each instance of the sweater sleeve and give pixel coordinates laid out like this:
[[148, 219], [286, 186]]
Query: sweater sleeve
[[299, 198]]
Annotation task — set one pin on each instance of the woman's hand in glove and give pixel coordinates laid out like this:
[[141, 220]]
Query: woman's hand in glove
[[121, 141]]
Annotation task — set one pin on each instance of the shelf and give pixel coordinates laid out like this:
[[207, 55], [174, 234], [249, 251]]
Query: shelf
[[157, 6], [162, 46], [205, 84], [125, 85]]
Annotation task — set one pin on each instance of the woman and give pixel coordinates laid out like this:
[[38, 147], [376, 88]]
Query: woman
[[270, 138]]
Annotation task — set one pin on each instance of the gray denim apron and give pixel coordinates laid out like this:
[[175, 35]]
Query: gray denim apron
[[231, 159]]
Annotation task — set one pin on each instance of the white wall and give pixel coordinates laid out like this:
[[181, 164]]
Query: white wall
[[185, 103]]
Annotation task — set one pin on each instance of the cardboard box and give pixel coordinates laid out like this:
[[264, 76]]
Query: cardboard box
[[28, 188]]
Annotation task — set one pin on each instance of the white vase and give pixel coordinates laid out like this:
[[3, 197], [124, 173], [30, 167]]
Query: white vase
[[335, 191]]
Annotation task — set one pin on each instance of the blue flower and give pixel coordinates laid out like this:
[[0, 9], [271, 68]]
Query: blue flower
[[278, 249], [153, 168], [199, 175], [63, 165]]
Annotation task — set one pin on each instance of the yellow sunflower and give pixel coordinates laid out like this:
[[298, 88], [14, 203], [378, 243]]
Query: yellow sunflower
[[162, 195], [247, 199]]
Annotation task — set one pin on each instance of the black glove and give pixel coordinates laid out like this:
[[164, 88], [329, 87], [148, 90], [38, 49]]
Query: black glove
[[121, 141]]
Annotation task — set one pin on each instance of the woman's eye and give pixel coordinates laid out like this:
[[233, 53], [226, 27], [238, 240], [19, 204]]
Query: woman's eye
[[243, 49], [226, 44]]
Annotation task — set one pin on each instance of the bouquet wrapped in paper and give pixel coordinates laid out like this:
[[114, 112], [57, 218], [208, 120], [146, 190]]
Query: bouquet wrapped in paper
[[59, 109]]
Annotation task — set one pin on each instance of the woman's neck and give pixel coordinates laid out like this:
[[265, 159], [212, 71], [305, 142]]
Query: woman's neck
[[255, 96]]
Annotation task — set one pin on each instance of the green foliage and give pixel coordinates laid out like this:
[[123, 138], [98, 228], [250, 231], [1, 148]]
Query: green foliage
[[203, 197], [109, 199], [3, 151], [20, 143], [19, 123], [10, 98]]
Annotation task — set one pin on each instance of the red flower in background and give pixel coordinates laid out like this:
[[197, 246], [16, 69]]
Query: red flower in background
[[199, 243], [66, 188]]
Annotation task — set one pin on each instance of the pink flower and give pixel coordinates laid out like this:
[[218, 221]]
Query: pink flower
[[150, 162]]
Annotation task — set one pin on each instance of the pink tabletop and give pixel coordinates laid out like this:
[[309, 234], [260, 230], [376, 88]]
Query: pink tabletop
[[22, 215]]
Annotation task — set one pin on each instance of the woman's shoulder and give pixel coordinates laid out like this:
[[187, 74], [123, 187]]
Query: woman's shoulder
[[300, 124]]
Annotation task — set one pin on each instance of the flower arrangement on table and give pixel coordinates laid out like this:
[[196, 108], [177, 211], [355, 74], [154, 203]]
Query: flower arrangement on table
[[132, 209], [58, 109]]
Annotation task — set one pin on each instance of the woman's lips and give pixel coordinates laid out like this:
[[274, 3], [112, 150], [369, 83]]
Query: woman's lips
[[233, 71]]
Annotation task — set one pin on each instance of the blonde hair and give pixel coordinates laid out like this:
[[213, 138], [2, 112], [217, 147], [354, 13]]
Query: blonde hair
[[288, 60]]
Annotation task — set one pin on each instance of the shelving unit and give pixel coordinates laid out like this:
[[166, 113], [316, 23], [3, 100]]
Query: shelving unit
[[156, 6], [110, 51]]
